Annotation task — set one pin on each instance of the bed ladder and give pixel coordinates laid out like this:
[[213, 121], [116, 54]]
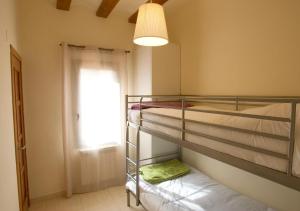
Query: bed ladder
[[135, 178]]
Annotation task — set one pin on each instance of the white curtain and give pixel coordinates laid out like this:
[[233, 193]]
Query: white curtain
[[94, 85]]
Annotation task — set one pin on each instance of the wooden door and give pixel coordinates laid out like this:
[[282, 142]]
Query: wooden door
[[19, 129]]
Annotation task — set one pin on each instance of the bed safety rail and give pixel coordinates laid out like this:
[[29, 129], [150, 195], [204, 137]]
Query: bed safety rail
[[286, 178]]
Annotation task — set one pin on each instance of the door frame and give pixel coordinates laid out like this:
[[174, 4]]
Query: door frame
[[14, 53]]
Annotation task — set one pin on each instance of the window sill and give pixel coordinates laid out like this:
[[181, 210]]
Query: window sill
[[104, 147]]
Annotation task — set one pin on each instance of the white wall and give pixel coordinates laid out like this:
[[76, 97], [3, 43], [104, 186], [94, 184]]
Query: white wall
[[156, 72], [43, 27], [8, 178], [142, 84], [142, 68], [240, 47]]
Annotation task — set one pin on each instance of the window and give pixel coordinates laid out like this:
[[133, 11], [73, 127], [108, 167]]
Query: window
[[99, 108]]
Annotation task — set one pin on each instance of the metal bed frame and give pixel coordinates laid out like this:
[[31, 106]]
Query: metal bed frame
[[284, 178]]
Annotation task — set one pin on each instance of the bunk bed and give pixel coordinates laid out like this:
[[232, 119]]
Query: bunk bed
[[259, 135]]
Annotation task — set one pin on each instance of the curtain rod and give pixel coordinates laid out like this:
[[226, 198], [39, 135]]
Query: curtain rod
[[83, 46]]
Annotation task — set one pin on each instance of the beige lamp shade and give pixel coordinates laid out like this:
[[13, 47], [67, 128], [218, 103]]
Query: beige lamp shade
[[151, 28]]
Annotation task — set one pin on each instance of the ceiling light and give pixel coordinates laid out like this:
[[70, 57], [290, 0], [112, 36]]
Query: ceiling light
[[151, 28]]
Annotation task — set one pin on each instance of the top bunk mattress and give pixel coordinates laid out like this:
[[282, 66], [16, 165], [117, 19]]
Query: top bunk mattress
[[171, 117], [194, 191]]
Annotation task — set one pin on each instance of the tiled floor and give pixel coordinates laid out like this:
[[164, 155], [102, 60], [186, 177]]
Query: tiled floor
[[112, 199]]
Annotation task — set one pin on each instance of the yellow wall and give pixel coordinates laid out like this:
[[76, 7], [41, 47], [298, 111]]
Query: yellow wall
[[227, 47], [166, 70], [8, 178], [240, 47], [43, 27], [156, 70]]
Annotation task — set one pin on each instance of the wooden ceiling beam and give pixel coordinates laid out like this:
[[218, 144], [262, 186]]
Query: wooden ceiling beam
[[106, 7], [133, 17], [63, 4]]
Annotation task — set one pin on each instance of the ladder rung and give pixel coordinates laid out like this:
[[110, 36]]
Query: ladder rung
[[131, 161], [130, 143], [131, 177]]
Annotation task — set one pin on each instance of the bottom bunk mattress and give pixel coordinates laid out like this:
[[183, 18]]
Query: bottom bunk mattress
[[194, 191]]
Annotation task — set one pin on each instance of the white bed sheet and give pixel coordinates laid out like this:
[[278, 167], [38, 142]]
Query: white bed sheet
[[194, 191], [267, 126]]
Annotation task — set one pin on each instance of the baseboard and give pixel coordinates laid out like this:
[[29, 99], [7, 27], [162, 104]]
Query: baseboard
[[49, 196]]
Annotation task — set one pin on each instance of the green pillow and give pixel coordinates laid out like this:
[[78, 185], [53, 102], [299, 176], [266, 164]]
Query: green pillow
[[160, 172]]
